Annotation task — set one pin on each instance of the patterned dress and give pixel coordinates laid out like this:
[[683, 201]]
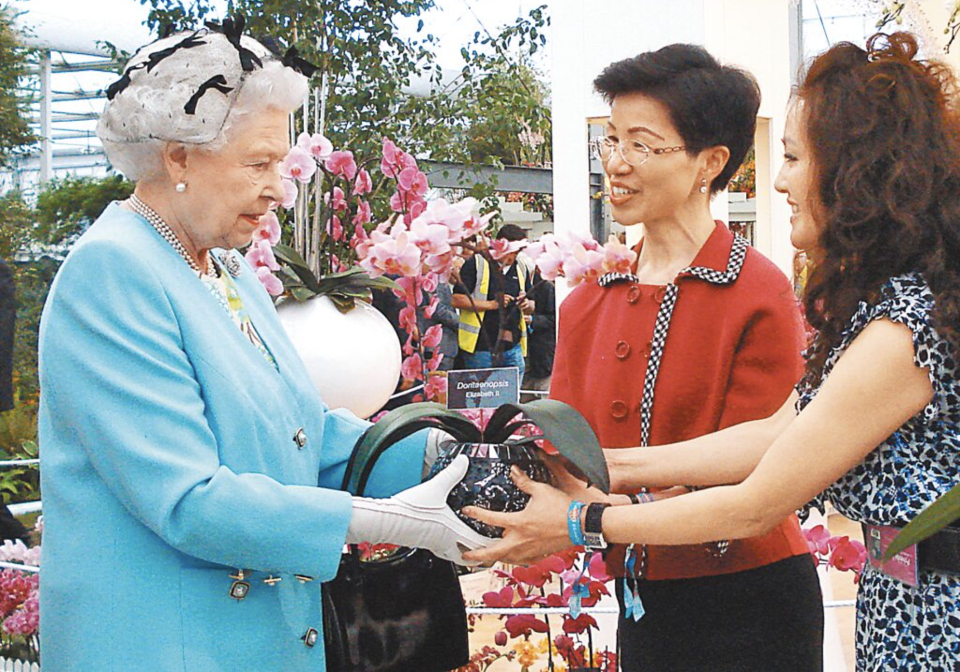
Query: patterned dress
[[900, 627]]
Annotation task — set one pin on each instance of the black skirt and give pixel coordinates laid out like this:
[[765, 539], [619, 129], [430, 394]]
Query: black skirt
[[768, 619]]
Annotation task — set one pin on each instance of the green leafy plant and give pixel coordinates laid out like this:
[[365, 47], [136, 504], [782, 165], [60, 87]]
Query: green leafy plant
[[67, 206], [15, 133], [18, 441]]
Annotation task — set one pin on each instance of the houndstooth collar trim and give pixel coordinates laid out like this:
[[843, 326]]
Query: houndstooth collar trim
[[738, 252]]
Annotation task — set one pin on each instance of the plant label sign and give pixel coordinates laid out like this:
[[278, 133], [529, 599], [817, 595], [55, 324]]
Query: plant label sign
[[483, 388]]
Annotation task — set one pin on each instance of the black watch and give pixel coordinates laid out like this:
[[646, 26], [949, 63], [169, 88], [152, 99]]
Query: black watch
[[593, 527]]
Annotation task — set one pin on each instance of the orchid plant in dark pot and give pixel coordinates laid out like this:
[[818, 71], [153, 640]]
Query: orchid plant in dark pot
[[493, 450]]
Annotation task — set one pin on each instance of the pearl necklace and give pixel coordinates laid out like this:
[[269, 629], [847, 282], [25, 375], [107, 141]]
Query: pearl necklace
[[156, 221]]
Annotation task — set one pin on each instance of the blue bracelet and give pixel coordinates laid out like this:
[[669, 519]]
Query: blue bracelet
[[573, 523]]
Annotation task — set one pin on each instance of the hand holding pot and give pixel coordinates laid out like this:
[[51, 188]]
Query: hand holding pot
[[418, 518], [529, 535]]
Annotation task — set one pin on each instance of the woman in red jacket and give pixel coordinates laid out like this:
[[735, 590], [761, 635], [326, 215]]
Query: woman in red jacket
[[703, 335]]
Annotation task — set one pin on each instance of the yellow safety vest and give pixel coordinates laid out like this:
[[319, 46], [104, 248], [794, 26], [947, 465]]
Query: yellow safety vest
[[470, 321]]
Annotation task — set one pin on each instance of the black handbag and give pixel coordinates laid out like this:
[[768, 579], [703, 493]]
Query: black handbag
[[404, 613]]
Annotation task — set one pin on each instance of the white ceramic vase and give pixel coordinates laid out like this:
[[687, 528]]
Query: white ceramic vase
[[353, 358]]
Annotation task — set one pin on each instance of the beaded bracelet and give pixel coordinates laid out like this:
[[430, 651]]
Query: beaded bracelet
[[574, 528], [641, 498]]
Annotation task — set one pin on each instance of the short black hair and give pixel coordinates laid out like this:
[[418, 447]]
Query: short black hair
[[511, 232], [710, 104]]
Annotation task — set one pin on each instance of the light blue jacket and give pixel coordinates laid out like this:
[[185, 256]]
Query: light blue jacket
[[168, 461]]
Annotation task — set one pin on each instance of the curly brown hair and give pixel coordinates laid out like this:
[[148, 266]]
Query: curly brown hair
[[883, 134]]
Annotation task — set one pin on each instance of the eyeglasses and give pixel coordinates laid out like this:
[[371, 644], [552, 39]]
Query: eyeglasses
[[632, 152]]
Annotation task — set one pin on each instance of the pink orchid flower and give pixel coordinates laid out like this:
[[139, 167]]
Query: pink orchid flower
[[430, 282], [547, 254], [412, 180], [598, 568], [398, 256], [501, 247], [583, 265], [399, 202], [290, 193], [412, 367], [433, 362], [342, 164], [475, 224], [431, 238], [390, 164], [524, 624], [416, 209], [848, 554], [436, 386], [411, 291], [440, 265], [337, 200], [432, 336], [269, 229], [451, 215], [617, 257], [363, 184], [365, 246], [316, 145], [407, 318], [270, 282], [364, 214], [298, 165], [260, 254], [818, 539], [335, 228], [573, 238]]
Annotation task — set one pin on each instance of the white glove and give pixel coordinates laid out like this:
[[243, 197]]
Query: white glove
[[418, 518]]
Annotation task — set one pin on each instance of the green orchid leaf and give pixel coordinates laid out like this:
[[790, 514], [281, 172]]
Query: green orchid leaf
[[384, 433], [931, 520], [302, 294], [295, 262], [564, 427], [289, 256]]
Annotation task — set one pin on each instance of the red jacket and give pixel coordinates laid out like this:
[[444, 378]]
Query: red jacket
[[729, 351]]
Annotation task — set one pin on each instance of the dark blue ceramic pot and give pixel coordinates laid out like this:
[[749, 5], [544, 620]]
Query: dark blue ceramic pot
[[487, 483]]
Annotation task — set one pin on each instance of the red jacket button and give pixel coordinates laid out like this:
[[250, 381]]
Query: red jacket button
[[633, 294], [619, 410], [622, 350]]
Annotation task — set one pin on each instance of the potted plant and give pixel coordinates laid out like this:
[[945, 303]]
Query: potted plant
[[493, 450]]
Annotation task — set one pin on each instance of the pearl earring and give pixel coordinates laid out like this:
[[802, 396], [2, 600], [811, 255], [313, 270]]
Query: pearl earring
[[703, 186], [181, 187]]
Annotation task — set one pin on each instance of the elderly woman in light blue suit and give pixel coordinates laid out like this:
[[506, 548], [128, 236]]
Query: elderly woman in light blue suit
[[189, 467]]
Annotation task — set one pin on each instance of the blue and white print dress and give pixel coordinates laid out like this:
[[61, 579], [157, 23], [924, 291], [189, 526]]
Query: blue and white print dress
[[900, 627]]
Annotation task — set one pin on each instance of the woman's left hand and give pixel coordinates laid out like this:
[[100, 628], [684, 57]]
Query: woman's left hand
[[529, 535]]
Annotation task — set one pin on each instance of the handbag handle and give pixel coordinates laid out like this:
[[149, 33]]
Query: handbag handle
[[395, 426]]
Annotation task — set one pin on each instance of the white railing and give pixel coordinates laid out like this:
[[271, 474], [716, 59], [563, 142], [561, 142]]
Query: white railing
[[18, 666]]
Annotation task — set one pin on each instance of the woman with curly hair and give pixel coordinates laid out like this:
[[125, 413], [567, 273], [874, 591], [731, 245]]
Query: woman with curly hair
[[872, 174]]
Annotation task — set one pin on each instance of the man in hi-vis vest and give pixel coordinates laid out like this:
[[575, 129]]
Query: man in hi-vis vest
[[485, 328]]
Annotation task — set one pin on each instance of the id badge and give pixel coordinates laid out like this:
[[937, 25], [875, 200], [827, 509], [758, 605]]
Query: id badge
[[903, 566]]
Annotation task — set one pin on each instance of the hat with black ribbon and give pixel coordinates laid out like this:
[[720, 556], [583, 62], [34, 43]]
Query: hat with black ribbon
[[193, 77]]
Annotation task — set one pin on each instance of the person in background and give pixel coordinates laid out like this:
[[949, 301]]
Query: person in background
[[543, 335], [447, 317], [8, 320], [492, 302]]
